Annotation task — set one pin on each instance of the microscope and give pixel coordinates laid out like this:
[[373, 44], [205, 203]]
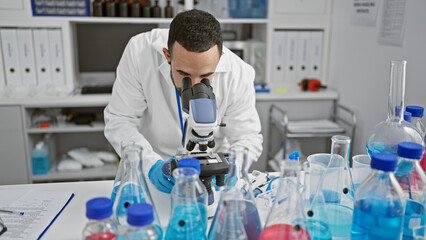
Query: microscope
[[200, 103]]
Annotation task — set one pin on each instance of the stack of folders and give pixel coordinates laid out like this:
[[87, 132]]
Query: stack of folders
[[297, 56], [32, 57]]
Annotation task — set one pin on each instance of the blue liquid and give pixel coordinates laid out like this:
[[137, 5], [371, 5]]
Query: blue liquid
[[377, 219], [248, 213], [339, 220], [414, 217], [381, 148], [40, 164], [331, 196], [130, 194], [114, 193], [318, 230], [186, 223]]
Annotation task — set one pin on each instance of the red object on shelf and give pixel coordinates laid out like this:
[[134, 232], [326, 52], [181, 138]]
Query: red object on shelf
[[313, 85], [44, 125]]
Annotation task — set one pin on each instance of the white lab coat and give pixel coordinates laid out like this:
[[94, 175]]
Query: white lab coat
[[143, 106]]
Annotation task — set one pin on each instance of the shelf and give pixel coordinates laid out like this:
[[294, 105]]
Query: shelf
[[88, 100], [297, 95], [106, 171], [69, 128]]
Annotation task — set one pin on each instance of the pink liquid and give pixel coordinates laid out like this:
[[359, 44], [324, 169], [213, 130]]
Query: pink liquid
[[423, 161], [102, 236], [283, 232]]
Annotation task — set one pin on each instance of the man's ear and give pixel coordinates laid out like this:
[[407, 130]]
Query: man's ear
[[167, 54]]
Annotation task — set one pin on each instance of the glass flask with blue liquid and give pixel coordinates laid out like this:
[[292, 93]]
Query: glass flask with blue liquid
[[133, 188], [286, 219], [186, 217], [200, 190], [120, 171], [140, 217], [386, 135], [236, 216], [314, 201], [337, 186], [412, 180], [379, 202]]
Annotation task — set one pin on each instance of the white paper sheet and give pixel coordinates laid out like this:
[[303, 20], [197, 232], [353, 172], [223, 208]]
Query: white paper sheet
[[40, 209]]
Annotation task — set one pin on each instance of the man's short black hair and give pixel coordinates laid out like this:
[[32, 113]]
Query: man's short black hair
[[196, 31]]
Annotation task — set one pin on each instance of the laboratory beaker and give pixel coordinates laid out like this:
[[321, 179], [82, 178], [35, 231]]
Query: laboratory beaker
[[286, 219], [314, 202], [186, 220], [133, 188], [386, 135], [236, 206], [360, 168]]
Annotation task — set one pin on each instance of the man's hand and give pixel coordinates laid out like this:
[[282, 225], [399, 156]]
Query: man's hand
[[163, 182]]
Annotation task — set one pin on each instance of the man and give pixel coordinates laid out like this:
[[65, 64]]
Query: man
[[145, 102]]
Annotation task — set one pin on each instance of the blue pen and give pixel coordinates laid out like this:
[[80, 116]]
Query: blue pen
[[11, 212]]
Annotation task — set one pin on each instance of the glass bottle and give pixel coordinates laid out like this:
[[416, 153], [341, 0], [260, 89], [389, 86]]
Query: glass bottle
[[100, 226], [379, 202], [120, 171], [110, 9], [133, 188], [386, 135], [286, 219], [98, 8], [136, 9], [338, 188], [156, 10], [416, 120], [123, 9], [314, 201], [147, 9], [236, 206], [168, 10], [186, 220], [140, 217], [200, 189], [412, 180]]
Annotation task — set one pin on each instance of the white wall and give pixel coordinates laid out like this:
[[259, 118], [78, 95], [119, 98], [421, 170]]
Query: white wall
[[359, 66]]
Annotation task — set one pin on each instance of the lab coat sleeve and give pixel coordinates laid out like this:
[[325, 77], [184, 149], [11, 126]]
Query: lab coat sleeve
[[241, 117], [123, 115]]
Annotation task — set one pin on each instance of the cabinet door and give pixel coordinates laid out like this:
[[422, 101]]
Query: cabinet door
[[13, 163]]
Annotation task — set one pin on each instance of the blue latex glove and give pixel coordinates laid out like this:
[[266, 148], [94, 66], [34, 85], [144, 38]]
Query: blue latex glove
[[163, 182]]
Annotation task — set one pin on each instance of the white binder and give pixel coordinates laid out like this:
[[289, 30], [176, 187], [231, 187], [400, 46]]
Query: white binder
[[56, 56], [292, 45], [26, 57], [315, 63], [303, 56], [9, 46], [42, 56], [279, 56]]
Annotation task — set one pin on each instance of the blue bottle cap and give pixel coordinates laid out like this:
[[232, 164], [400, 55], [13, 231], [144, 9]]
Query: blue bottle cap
[[384, 161], [410, 150], [415, 111], [191, 163], [98, 208], [397, 110], [140, 214], [407, 116]]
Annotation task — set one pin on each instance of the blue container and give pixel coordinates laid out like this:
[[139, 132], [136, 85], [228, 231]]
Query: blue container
[[248, 8], [379, 202], [40, 159]]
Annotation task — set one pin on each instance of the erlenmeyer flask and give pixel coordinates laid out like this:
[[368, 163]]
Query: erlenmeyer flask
[[121, 171], [337, 184], [236, 205], [186, 216], [133, 188], [386, 135], [286, 219], [314, 202]]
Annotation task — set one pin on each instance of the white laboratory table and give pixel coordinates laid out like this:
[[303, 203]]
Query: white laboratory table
[[70, 223]]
